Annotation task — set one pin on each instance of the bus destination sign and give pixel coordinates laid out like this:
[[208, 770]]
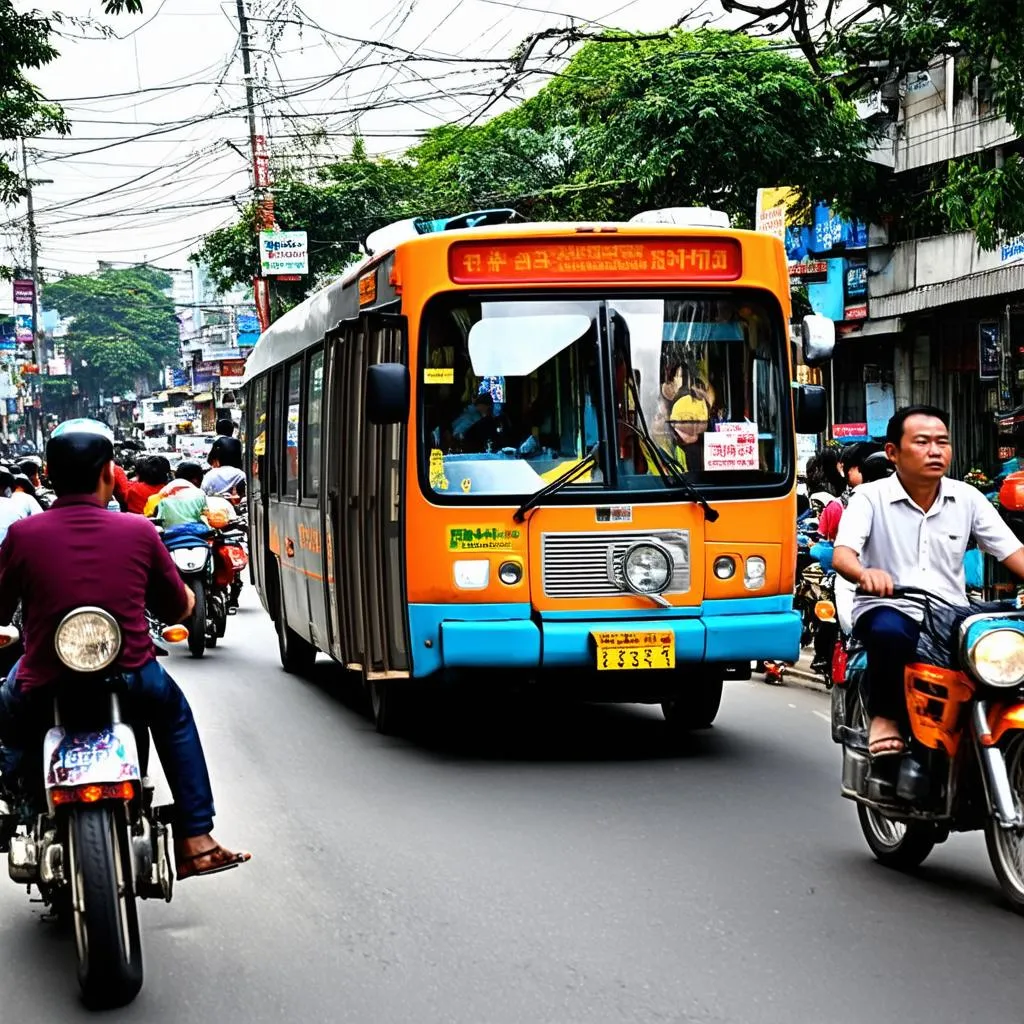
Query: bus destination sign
[[663, 259]]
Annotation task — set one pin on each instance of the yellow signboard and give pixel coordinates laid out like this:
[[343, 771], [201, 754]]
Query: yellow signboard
[[489, 537], [438, 375]]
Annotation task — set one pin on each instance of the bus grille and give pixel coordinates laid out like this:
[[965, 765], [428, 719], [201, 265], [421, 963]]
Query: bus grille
[[590, 564]]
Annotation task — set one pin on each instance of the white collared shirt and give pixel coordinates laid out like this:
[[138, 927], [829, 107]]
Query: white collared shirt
[[889, 530]]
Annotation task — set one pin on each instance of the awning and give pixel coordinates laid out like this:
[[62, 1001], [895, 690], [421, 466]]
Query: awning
[[872, 328], [963, 289], [206, 396]]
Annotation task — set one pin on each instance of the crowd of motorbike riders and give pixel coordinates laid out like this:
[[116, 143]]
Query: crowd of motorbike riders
[[82, 529]]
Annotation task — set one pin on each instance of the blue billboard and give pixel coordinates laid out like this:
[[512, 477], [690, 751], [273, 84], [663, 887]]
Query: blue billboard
[[828, 235]]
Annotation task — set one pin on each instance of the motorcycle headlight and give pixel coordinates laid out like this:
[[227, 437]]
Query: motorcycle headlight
[[190, 559], [88, 640], [647, 568], [997, 659]]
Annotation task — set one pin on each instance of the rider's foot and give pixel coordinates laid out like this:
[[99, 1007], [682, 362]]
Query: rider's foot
[[203, 855], [885, 738]]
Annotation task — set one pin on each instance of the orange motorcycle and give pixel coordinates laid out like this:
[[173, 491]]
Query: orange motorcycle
[[963, 769]]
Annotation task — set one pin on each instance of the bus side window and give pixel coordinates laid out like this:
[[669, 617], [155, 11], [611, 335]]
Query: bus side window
[[258, 432], [292, 431], [314, 405]]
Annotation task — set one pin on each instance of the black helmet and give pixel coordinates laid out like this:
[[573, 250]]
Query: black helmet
[[76, 454], [22, 481], [31, 465], [877, 466], [6, 480], [190, 471]]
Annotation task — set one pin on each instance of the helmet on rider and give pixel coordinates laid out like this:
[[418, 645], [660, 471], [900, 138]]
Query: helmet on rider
[[78, 454], [190, 471]]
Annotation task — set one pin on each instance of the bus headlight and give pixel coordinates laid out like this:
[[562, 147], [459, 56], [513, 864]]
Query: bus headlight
[[88, 640], [754, 572], [997, 659], [647, 568]]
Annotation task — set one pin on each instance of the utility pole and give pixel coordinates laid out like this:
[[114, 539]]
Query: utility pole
[[37, 326], [260, 162]]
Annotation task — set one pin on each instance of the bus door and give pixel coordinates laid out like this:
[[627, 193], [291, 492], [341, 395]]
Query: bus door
[[259, 492], [362, 514]]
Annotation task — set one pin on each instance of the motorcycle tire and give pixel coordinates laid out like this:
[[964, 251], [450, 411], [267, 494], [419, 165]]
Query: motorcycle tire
[[1004, 846], [197, 623], [896, 844], [106, 920]]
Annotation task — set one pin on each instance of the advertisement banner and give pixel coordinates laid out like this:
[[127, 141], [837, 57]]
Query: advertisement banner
[[23, 328], [232, 368], [24, 292], [845, 431], [284, 252]]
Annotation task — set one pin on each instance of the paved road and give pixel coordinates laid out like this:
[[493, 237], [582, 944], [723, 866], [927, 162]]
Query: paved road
[[530, 863]]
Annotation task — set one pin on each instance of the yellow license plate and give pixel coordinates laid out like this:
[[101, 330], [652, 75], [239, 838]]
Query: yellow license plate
[[631, 651]]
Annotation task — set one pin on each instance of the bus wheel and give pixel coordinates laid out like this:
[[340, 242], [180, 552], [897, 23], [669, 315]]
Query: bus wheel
[[695, 704], [297, 654], [385, 704]]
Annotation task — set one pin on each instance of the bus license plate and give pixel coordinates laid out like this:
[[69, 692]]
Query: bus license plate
[[631, 651]]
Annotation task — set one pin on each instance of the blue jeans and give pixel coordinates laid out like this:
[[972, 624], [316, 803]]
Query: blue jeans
[[890, 639], [157, 700]]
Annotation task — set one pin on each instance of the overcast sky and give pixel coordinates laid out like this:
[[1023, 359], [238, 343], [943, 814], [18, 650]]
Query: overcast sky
[[135, 180]]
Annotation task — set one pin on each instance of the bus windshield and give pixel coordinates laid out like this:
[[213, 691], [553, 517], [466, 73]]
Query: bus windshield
[[516, 392]]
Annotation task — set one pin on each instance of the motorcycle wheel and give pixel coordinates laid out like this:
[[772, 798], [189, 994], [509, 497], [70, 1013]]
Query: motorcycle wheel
[[197, 623], [106, 918], [896, 844], [1006, 846]]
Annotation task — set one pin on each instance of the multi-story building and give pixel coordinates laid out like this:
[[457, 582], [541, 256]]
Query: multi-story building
[[945, 318]]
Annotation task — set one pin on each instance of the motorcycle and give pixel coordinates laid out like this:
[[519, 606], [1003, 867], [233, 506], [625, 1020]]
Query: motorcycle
[[84, 831], [210, 561], [963, 769]]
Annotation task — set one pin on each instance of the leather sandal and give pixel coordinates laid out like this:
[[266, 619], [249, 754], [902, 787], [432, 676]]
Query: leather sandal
[[221, 860]]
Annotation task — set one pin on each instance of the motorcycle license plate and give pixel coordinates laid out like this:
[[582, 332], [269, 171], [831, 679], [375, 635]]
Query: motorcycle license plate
[[632, 651]]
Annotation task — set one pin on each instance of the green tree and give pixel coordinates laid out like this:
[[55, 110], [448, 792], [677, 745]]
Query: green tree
[[26, 44], [687, 118], [123, 326], [338, 208], [886, 39]]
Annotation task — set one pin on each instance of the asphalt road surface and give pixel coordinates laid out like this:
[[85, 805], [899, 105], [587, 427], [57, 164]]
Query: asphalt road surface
[[527, 861]]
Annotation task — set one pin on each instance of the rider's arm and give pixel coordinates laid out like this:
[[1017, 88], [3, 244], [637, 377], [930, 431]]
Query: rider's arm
[[994, 537], [854, 530], [10, 577]]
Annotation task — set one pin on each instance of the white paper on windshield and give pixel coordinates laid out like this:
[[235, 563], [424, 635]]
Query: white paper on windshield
[[731, 446]]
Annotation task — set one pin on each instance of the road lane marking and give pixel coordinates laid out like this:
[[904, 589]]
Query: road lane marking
[[821, 714]]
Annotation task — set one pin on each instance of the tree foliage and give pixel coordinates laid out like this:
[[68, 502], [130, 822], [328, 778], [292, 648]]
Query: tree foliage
[[686, 118], [886, 39], [123, 325]]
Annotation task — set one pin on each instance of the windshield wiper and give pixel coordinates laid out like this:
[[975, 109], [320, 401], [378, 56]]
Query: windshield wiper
[[672, 472], [571, 474]]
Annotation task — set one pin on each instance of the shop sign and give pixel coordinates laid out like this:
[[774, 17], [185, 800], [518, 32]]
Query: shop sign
[[859, 312], [842, 431], [24, 292], [284, 252]]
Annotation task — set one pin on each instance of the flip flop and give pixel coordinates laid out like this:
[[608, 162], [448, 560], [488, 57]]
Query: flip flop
[[876, 748], [186, 865]]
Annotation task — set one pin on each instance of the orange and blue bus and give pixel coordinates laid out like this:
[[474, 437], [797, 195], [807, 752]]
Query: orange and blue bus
[[555, 453]]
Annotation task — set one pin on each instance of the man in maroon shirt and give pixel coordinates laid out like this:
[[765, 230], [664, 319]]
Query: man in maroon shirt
[[78, 553]]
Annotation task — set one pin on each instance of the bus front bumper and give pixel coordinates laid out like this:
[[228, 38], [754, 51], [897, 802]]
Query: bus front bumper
[[512, 636]]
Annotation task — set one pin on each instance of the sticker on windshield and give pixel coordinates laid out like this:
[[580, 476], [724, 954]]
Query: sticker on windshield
[[467, 485], [733, 448], [490, 537], [438, 481], [438, 375]]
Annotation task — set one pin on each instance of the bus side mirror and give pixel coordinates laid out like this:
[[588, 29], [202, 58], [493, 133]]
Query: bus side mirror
[[387, 393], [810, 408], [819, 339]]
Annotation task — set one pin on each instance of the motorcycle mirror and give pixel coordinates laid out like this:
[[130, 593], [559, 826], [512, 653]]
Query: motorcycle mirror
[[9, 635]]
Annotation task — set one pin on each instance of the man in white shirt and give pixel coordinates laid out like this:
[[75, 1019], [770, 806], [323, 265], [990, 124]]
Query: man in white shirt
[[911, 530]]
